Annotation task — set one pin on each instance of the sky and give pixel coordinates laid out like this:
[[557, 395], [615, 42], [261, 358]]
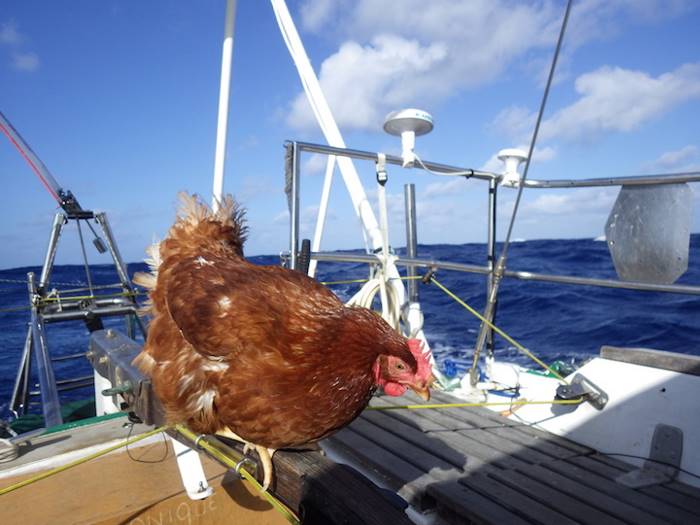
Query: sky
[[119, 99]]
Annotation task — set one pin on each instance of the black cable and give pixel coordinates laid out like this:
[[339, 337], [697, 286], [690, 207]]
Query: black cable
[[128, 452], [652, 460]]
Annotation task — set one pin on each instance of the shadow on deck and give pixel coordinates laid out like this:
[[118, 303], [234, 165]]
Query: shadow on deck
[[472, 465]]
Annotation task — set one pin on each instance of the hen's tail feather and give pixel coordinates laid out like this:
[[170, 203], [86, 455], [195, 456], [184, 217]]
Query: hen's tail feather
[[198, 229]]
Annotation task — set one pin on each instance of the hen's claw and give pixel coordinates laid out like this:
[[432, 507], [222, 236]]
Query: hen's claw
[[266, 461], [264, 453]]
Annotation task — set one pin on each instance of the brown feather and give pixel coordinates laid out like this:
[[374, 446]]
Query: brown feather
[[267, 352]]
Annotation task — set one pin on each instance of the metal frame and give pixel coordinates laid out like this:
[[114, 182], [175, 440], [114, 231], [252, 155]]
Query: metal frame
[[295, 149], [35, 342]]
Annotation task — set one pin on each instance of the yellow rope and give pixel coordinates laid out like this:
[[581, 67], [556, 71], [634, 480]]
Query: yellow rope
[[87, 297], [478, 404], [231, 463], [77, 462], [498, 331]]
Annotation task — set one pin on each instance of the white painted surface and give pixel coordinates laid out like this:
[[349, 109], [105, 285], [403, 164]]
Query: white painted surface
[[640, 397]]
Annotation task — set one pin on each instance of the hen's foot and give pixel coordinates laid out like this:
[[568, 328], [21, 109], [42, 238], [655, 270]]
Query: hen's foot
[[266, 460], [264, 453]]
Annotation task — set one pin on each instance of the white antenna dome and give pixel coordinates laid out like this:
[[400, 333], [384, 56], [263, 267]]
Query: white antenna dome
[[511, 157], [407, 124]]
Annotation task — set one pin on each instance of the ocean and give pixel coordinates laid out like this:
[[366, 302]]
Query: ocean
[[556, 322]]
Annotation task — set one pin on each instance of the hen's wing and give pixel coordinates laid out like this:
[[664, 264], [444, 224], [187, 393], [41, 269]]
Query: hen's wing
[[224, 306]]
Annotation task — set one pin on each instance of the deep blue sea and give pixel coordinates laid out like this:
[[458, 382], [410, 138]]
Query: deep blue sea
[[556, 322]]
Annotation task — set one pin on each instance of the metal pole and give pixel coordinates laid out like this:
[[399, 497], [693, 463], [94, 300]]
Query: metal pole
[[224, 90], [50, 403], [409, 192], [491, 253], [392, 159], [20, 393], [322, 212], [58, 221], [114, 251], [294, 219], [85, 259]]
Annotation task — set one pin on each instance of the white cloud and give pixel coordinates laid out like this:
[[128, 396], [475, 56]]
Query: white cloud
[[357, 78], [307, 218], [9, 34], [21, 60], [573, 202], [610, 99], [25, 61], [442, 188], [315, 164], [516, 122], [617, 99], [415, 52], [316, 13], [680, 159]]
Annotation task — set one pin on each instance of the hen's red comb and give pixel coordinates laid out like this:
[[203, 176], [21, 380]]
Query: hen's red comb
[[422, 358]]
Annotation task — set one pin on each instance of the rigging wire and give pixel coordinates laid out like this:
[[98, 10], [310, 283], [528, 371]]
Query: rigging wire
[[85, 259], [501, 264], [34, 162]]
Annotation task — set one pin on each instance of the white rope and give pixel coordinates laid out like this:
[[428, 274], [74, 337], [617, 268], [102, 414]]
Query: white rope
[[391, 305], [8, 450]]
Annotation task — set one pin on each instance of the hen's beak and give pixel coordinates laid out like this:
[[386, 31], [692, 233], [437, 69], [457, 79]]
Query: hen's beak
[[423, 388]]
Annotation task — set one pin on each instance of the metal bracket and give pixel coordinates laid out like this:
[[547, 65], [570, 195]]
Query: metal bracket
[[382, 175], [582, 387], [111, 355], [665, 455]]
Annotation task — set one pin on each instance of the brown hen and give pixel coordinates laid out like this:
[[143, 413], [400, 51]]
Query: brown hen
[[260, 353]]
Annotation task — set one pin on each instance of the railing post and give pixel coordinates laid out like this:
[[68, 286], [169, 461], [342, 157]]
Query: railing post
[[411, 238], [50, 403], [294, 207], [491, 253]]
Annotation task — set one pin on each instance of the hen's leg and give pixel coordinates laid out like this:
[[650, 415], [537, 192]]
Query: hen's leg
[[264, 453], [228, 433], [266, 460]]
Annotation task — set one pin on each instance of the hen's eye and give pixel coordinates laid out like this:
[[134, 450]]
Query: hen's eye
[[400, 366]]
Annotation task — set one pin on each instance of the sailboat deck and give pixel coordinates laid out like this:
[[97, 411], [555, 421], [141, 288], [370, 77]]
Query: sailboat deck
[[473, 465]]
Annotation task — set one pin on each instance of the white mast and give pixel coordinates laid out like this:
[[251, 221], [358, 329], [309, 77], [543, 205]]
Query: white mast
[[222, 126]]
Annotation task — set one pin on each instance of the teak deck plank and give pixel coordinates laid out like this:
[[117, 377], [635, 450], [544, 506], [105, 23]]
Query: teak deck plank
[[475, 466], [599, 497], [551, 496], [646, 499], [457, 502], [515, 500]]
